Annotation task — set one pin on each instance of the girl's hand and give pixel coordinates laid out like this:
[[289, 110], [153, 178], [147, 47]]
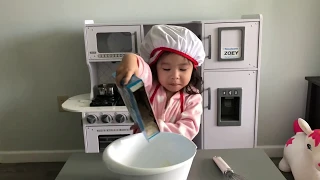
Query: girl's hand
[[135, 128], [125, 70]]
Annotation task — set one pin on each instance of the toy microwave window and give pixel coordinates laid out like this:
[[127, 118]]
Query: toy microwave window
[[111, 42]]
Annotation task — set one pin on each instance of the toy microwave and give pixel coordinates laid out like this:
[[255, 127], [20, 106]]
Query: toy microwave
[[110, 42]]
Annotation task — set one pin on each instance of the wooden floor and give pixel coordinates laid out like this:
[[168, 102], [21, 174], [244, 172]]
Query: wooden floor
[[49, 171]]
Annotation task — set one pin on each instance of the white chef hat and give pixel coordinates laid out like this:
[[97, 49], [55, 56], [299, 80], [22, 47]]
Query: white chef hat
[[176, 39]]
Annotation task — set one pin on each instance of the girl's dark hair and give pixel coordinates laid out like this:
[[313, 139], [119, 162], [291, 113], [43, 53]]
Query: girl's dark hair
[[195, 80]]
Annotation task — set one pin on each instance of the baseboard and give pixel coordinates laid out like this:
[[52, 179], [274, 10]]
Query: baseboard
[[273, 150], [36, 156]]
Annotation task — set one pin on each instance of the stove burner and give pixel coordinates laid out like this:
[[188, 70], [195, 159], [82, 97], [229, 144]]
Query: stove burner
[[104, 100]]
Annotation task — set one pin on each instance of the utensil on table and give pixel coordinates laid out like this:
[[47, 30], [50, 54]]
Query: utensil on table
[[226, 170]]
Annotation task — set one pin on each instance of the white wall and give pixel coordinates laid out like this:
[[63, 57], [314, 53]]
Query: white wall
[[42, 56]]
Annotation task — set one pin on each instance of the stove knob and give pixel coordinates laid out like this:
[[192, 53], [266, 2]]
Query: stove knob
[[91, 119], [106, 118], [120, 118]]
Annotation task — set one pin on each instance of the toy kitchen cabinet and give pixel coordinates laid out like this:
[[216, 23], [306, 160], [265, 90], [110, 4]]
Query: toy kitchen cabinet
[[230, 72]]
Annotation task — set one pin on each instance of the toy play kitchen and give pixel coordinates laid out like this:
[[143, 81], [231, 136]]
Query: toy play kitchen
[[231, 74]]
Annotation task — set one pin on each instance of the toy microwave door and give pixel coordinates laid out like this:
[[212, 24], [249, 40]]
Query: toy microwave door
[[104, 42], [81, 103]]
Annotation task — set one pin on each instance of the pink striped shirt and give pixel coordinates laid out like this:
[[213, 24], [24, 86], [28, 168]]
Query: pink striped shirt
[[183, 112]]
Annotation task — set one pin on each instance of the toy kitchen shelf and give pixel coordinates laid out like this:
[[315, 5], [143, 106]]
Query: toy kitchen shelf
[[231, 73]]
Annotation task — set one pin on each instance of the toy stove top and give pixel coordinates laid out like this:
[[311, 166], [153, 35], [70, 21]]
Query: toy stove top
[[105, 100], [107, 95]]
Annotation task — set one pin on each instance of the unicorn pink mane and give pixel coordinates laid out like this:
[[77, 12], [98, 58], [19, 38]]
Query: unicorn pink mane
[[315, 135]]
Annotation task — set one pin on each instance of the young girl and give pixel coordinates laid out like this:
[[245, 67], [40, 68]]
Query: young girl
[[169, 58]]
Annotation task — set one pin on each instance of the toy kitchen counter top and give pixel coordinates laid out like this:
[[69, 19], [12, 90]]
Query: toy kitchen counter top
[[252, 163], [81, 103]]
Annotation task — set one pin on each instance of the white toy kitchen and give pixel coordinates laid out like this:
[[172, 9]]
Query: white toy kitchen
[[231, 75]]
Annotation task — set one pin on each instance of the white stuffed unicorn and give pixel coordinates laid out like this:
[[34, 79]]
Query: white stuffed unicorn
[[301, 154]]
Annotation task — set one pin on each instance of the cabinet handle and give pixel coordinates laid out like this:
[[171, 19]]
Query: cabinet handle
[[209, 98], [209, 53], [135, 41]]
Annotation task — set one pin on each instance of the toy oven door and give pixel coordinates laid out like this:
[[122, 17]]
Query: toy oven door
[[98, 138]]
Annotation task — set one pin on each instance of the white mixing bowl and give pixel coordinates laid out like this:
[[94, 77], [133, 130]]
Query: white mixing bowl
[[168, 156]]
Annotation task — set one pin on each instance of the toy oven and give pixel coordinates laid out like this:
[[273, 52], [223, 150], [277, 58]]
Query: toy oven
[[97, 138]]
